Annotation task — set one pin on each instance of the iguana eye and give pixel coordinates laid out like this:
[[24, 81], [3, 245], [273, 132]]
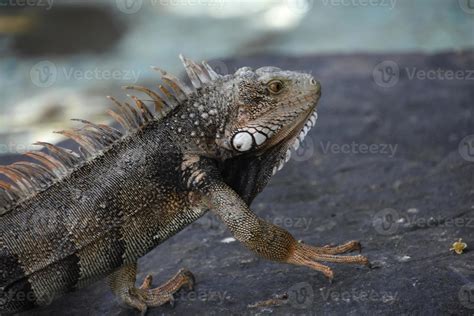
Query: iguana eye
[[275, 86]]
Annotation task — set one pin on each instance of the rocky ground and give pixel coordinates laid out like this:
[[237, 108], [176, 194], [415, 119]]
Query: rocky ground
[[387, 164]]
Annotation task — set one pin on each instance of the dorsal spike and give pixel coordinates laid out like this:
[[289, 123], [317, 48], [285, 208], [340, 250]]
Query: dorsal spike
[[202, 73], [146, 114], [158, 101], [193, 76], [82, 152], [69, 158], [16, 179], [95, 137], [177, 84], [5, 186], [137, 120], [106, 134], [38, 171], [27, 174], [119, 120], [126, 114], [50, 162], [7, 198], [170, 98], [5, 170], [80, 139], [10, 189], [24, 179], [179, 94], [112, 131], [212, 74]]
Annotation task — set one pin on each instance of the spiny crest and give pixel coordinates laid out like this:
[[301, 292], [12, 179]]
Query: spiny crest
[[28, 178]]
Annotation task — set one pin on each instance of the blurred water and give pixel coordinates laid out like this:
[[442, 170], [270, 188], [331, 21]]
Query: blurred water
[[158, 30]]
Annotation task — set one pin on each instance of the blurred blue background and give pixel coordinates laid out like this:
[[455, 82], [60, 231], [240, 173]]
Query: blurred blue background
[[60, 58]]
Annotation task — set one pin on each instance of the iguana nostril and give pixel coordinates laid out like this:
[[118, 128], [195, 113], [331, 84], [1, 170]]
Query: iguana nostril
[[315, 85]]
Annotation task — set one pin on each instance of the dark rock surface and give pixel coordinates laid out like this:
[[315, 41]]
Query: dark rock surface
[[330, 194]]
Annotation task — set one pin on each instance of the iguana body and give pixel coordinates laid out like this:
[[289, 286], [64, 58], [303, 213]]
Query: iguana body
[[66, 221]]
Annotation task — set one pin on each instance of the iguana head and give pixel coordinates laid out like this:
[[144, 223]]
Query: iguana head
[[269, 107]]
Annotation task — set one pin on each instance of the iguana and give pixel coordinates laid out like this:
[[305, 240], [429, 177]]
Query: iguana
[[71, 217]]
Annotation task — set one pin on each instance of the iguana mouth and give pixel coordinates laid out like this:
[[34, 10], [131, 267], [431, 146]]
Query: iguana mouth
[[297, 136]]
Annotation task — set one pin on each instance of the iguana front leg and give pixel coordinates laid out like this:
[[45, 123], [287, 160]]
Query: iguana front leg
[[271, 241], [122, 283]]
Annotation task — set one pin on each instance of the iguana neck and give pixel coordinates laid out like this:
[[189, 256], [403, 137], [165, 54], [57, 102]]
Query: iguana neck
[[199, 123]]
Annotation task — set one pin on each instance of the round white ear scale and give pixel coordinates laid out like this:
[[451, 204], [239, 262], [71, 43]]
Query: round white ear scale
[[259, 138], [242, 141]]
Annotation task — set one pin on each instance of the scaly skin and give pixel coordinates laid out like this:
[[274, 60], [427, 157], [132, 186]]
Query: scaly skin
[[97, 218]]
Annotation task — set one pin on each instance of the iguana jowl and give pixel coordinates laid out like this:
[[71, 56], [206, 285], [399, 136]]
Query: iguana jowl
[[71, 218]]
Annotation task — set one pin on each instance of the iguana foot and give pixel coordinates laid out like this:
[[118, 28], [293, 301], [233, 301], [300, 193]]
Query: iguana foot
[[309, 256], [122, 283], [273, 242]]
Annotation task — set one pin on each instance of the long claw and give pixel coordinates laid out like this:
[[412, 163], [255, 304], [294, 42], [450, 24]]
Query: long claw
[[147, 282], [190, 278], [164, 293], [307, 255], [172, 300], [350, 246]]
